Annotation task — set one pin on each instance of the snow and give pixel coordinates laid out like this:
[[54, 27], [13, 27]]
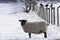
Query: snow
[[10, 28]]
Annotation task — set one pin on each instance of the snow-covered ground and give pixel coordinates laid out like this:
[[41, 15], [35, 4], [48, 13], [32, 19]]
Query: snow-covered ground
[[10, 28]]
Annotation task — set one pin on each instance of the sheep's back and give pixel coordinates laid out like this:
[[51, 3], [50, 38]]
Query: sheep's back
[[35, 27]]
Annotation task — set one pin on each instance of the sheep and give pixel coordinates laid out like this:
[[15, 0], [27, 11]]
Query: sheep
[[34, 27]]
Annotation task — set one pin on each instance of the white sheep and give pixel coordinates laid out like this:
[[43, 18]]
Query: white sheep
[[34, 27]]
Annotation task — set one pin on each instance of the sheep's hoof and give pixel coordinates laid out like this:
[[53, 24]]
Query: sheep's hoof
[[45, 35], [29, 35]]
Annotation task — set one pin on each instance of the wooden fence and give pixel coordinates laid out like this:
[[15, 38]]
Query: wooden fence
[[48, 14]]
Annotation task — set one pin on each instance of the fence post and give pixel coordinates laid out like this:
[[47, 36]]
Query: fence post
[[51, 12], [53, 15], [57, 16], [48, 15], [41, 11], [46, 12]]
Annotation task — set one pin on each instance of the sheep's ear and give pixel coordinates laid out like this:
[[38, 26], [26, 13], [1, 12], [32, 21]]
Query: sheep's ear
[[22, 20]]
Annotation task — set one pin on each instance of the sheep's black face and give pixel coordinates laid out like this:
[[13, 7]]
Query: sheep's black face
[[23, 22]]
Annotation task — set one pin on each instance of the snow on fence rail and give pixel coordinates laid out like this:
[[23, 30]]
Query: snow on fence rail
[[48, 14]]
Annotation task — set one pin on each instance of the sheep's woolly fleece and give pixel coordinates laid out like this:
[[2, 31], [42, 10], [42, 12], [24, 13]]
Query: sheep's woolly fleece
[[35, 27]]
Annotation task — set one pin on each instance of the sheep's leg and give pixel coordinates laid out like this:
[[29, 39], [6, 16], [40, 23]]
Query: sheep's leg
[[29, 35], [45, 35]]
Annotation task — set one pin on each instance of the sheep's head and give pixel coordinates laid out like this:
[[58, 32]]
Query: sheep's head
[[23, 22]]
